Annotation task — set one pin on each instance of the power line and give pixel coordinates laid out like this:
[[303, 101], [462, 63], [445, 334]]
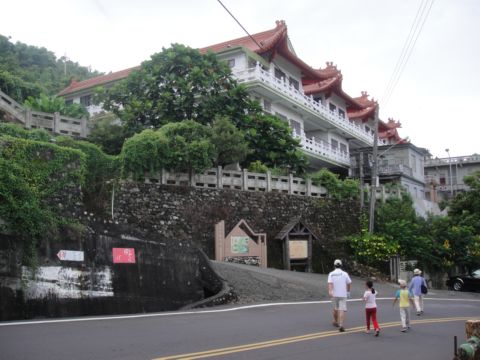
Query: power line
[[238, 22], [404, 51], [415, 31]]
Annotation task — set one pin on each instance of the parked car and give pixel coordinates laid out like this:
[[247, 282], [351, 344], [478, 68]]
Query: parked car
[[469, 281]]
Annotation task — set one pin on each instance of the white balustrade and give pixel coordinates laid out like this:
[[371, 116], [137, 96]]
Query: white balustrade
[[282, 86], [323, 149], [239, 180]]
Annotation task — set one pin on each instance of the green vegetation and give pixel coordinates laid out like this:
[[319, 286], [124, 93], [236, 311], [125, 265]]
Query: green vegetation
[[32, 173], [52, 104], [29, 71], [180, 84], [440, 244], [338, 189]]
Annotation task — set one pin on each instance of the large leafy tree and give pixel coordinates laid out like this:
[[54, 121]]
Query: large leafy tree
[[190, 146], [176, 84], [230, 144], [271, 142]]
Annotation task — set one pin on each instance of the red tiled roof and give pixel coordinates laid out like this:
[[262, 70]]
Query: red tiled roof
[[271, 42], [389, 131], [266, 39], [321, 85], [96, 81]]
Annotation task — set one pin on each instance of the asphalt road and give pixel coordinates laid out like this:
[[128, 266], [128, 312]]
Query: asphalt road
[[291, 331]]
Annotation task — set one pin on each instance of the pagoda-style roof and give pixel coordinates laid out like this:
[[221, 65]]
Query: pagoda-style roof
[[268, 44], [388, 131], [365, 110]]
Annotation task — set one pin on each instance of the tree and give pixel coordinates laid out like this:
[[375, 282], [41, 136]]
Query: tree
[[144, 152], [29, 70], [271, 142], [52, 104], [176, 84], [230, 144], [336, 188], [189, 146], [107, 132]]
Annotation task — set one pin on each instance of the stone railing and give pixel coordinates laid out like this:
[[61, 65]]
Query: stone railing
[[282, 86], [395, 169], [56, 123], [383, 193], [218, 178]]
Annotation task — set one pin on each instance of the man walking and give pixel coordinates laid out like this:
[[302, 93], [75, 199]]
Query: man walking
[[339, 283]]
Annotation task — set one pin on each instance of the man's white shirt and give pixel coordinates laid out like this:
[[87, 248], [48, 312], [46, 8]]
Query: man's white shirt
[[340, 279]]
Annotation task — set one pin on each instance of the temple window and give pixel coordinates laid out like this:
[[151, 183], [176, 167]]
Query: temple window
[[279, 74], [267, 105], [343, 147], [293, 82], [332, 107], [341, 113], [296, 126], [334, 144]]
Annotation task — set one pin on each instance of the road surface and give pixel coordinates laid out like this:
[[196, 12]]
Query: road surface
[[291, 331]]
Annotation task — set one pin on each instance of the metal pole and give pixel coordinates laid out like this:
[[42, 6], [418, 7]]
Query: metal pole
[[451, 177], [373, 193]]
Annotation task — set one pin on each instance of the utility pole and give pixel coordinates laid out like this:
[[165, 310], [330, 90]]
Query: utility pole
[[373, 177], [360, 165]]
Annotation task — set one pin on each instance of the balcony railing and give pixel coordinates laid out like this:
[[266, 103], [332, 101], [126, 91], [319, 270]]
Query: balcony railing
[[453, 160], [281, 85], [322, 149]]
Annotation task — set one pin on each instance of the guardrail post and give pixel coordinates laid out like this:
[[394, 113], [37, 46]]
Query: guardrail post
[[163, 177], [219, 177], [84, 128], [28, 118], [308, 183], [56, 123], [244, 179], [269, 181], [290, 183]]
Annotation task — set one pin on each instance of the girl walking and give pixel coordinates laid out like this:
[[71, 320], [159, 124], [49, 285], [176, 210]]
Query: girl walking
[[371, 307]]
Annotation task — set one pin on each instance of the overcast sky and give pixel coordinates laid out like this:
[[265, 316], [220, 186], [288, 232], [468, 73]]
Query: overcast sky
[[436, 99]]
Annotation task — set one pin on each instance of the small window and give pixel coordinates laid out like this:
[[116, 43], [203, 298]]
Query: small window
[[319, 99], [294, 82], [334, 144], [279, 74], [332, 107], [343, 147], [86, 100], [367, 129], [69, 102], [341, 113], [267, 105], [231, 63], [296, 126]]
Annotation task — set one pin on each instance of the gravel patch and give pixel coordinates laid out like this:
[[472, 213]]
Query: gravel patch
[[256, 285]]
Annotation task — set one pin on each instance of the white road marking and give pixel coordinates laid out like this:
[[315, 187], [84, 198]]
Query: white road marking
[[244, 307]]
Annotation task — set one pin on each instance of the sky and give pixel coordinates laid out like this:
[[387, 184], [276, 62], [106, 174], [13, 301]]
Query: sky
[[435, 98]]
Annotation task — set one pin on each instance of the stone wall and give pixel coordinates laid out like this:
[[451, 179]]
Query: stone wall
[[185, 213], [171, 229]]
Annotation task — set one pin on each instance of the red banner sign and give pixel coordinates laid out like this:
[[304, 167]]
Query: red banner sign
[[123, 255]]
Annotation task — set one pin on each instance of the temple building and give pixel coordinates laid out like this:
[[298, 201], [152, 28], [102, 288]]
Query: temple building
[[329, 123]]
